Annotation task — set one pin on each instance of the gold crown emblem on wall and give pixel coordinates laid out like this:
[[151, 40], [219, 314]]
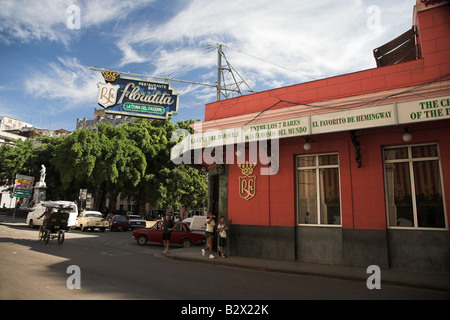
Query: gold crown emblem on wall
[[110, 75], [247, 168]]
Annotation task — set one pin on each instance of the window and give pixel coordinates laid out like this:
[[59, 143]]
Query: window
[[318, 190], [413, 187]]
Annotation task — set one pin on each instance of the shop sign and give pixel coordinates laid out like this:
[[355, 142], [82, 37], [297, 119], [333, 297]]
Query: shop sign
[[354, 119], [247, 182], [136, 97], [277, 129], [424, 110], [255, 132]]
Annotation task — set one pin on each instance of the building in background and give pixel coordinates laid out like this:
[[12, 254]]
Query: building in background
[[12, 130], [101, 117]]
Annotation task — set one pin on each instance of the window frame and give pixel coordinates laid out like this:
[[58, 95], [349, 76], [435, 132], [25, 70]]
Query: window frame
[[317, 168], [410, 160]]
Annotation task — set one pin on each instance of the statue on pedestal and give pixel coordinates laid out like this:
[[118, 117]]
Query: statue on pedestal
[[40, 189], [41, 182]]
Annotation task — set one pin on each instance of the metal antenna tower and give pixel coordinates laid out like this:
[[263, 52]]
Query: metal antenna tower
[[229, 81]]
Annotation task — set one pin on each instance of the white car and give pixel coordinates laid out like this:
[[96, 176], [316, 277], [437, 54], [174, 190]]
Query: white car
[[135, 221], [33, 217], [92, 220]]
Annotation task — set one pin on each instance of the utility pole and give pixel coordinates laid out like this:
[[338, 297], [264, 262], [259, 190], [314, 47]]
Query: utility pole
[[219, 71], [227, 71]]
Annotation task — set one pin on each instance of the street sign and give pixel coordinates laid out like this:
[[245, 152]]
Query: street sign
[[23, 186]]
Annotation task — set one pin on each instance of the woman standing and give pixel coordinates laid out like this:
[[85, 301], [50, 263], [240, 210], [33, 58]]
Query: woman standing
[[209, 234], [222, 230]]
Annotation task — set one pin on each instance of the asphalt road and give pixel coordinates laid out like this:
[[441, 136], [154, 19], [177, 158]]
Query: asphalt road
[[112, 266]]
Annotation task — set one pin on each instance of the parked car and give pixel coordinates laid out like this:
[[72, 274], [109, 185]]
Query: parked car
[[118, 222], [181, 235], [135, 221], [33, 219], [92, 220]]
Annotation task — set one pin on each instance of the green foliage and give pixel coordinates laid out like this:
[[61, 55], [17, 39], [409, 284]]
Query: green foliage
[[19, 159], [133, 159]]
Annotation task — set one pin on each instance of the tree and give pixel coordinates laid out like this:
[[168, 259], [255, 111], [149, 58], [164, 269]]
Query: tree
[[133, 159], [19, 159], [99, 159], [164, 184]]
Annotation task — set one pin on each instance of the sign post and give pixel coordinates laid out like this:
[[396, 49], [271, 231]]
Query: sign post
[[23, 188]]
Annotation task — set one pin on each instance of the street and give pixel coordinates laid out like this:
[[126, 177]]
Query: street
[[112, 266]]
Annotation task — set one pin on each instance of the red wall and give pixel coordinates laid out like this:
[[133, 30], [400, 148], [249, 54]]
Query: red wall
[[362, 189], [363, 203]]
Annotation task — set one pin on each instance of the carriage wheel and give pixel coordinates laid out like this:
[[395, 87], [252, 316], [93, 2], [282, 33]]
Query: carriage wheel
[[60, 237]]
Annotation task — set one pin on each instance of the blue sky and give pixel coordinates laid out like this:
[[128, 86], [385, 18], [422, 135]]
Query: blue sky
[[45, 62]]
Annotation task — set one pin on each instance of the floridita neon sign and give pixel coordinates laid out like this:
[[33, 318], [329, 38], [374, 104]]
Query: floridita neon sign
[[136, 97]]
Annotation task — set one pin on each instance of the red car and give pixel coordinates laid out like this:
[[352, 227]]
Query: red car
[[118, 222], [181, 235]]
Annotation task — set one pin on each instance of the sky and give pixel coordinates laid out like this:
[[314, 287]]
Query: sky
[[48, 46]]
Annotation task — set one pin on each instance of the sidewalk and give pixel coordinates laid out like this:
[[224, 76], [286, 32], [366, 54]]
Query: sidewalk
[[8, 220], [422, 280]]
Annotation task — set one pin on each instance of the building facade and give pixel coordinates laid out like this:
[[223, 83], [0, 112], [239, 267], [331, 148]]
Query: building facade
[[359, 172], [101, 117]]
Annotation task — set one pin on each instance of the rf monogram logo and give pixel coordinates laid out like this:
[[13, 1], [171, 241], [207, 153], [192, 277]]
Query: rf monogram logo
[[107, 94], [247, 183]]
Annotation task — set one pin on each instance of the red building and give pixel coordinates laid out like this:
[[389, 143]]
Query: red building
[[357, 167]]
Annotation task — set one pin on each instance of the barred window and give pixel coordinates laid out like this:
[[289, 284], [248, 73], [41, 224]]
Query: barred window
[[318, 190], [413, 186]]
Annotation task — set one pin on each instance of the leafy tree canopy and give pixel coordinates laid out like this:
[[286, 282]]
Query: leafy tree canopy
[[133, 159]]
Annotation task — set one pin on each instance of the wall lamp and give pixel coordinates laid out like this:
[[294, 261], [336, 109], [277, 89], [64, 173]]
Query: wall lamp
[[307, 145], [407, 136]]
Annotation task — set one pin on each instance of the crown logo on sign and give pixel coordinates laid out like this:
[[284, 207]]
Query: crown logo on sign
[[247, 169], [110, 75]]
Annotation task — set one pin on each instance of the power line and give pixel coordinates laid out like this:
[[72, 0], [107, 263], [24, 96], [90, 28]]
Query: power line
[[275, 64]]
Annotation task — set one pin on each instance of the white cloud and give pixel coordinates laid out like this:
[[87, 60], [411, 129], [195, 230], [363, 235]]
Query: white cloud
[[129, 54], [33, 20], [271, 43], [101, 11], [312, 39], [68, 82], [27, 20]]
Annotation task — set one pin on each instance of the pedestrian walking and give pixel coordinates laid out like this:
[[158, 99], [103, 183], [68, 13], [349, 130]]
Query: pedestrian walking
[[168, 227], [222, 231], [209, 235]]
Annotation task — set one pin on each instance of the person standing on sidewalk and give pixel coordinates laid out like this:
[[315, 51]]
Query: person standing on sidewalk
[[209, 235], [222, 231], [168, 227]]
